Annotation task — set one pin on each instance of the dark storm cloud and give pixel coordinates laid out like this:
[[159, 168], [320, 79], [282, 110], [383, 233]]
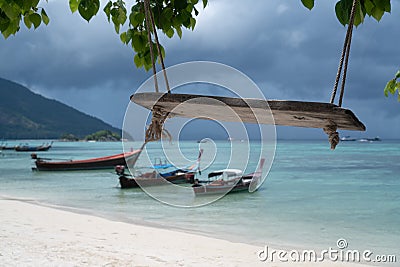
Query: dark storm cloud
[[284, 45], [290, 52], [68, 53]]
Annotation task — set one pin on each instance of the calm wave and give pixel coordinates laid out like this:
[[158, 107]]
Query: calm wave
[[311, 198]]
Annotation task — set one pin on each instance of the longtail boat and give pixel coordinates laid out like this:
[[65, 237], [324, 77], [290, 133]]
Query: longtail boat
[[176, 176], [5, 147], [28, 148], [108, 162], [227, 181]]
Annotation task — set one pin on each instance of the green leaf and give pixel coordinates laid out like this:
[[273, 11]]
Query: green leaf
[[138, 61], [189, 8], [359, 15], [118, 15], [138, 42], [123, 37], [45, 18], [34, 3], [192, 23], [12, 28], [308, 3], [167, 13], [10, 11], [397, 75], [19, 3], [27, 5], [383, 5], [388, 6], [162, 51], [35, 19], [169, 16], [368, 5], [27, 21], [73, 5], [342, 12], [180, 5], [147, 60], [107, 10], [4, 23], [170, 32], [88, 8], [377, 13], [386, 92], [117, 27], [390, 87], [129, 35], [136, 18], [179, 31], [122, 16]]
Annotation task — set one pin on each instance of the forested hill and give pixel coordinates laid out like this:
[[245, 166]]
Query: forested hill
[[26, 115]]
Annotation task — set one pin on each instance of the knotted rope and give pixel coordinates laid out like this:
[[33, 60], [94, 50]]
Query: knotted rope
[[156, 129], [330, 130]]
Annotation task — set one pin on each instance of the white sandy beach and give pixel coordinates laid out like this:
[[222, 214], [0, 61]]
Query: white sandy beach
[[35, 235]]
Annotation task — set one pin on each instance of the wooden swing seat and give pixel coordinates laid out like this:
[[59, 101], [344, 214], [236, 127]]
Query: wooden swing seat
[[288, 113]]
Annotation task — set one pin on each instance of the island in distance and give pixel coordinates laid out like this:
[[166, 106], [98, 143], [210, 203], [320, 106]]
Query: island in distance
[[27, 115]]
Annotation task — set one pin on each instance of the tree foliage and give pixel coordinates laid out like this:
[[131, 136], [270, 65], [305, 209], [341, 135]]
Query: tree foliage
[[12, 12], [393, 85], [371, 8], [69, 137], [170, 16], [103, 135]]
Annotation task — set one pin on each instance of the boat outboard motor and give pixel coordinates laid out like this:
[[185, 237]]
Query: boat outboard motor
[[120, 170]]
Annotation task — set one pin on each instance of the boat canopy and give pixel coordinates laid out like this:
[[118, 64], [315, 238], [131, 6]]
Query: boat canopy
[[229, 173]]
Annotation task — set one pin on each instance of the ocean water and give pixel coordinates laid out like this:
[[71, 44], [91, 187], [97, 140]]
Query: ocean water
[[311, 198]]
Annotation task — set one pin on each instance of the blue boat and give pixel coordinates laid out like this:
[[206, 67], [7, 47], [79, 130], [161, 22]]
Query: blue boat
[[27, 148]]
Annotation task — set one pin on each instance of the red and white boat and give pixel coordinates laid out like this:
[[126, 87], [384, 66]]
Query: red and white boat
[[108, 162]]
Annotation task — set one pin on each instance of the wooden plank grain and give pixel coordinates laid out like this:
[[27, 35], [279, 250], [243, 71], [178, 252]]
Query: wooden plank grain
[[248, 110]]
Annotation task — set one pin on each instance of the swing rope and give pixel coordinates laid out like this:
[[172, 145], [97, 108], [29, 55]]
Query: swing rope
[[331, 128], [146, 4], [159, 52], [344, 59], [156, 129]]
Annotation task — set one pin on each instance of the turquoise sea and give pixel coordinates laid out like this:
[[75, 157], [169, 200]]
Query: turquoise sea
[[311, 198]]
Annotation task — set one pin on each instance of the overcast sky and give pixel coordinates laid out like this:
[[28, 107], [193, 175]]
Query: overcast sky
[[290, 52]]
